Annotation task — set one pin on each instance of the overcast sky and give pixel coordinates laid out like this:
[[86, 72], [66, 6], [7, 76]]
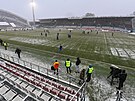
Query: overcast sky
[[68, 8]]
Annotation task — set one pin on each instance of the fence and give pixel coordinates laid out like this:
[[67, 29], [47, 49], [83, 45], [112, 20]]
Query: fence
[[81, 89]]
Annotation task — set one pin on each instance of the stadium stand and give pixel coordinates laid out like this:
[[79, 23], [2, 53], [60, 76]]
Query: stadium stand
[[12, 20], [20, 83], [119, 22]]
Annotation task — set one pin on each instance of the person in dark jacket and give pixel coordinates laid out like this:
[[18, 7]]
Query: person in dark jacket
[[115, 72], [111, 72], [1, 42], [60, 48], [122, 77], [57, 37], [78, 61], [18, 51], [112, 33], [82, 76], [46, 34]]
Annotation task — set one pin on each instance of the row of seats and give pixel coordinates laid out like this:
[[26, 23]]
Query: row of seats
[[20, 86], [39, 78], [120, 22], [55, 92], [52, 91], [38, 81], [27, 91], [8, 91]]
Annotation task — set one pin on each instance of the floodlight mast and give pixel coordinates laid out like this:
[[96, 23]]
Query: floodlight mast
[[33, 13]]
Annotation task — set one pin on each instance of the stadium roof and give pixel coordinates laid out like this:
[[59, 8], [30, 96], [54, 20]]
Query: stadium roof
[[13, 20]]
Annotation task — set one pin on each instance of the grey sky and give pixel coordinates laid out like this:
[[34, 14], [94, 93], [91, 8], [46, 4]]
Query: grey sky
[[68, 8]]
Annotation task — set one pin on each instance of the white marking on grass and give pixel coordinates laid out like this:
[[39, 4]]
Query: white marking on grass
[[55, 44], [114, 52], [32, 41], [122, 53], [79, 47], [132, 56], [106, 46], [105, 40], [130, 53]]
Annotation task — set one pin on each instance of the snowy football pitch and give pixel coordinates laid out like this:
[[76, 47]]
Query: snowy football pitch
[[118, 49], [100, 49]]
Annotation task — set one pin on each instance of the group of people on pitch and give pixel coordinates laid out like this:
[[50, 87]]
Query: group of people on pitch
[[68, 65], [119, 74]]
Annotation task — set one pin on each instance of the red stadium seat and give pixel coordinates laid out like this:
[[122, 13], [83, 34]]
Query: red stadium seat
[[17, 74], [62, 95], [27, 79], [61, 87], [46, 88], [54, 91], [38, 83], [37, 77], [69, 90], [69, 98], [73, 92], [54, 84], [78, 94], [42, 79], [32, 82], [28, 74], [49, 82]]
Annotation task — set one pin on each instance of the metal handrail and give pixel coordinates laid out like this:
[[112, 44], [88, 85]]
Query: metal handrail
[[82, 87]]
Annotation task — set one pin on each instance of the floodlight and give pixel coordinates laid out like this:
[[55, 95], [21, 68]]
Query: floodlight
[[33, 4]]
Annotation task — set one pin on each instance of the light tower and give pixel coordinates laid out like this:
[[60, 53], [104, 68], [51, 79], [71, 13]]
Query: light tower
[[33, 13]]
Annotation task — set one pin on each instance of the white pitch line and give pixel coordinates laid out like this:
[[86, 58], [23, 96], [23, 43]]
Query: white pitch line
[[114, 52]]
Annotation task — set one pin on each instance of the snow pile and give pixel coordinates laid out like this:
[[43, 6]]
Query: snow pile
[[31, 41], [133, 33], [25, 56], [101, 90]]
